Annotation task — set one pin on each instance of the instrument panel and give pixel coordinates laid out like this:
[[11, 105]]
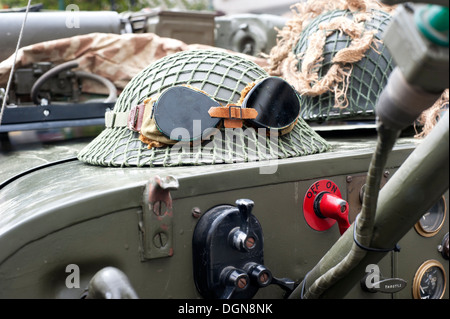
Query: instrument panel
[[430, 241]]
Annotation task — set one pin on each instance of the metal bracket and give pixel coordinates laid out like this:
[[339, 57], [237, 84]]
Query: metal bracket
[[156, 218], [39, 117]]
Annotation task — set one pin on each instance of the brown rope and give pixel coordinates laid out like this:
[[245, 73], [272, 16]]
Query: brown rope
[[429, 118], [284, 63]]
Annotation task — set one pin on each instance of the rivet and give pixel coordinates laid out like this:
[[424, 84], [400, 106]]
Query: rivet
[[196, 212]]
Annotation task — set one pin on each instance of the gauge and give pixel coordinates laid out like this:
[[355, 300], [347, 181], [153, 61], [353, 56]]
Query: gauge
[[430, 281], [433, 220]]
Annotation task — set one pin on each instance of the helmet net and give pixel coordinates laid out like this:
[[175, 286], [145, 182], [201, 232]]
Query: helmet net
[[332, 53], [221, 75]]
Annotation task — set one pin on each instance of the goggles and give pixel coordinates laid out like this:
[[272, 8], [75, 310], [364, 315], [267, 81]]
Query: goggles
[[186, 114]]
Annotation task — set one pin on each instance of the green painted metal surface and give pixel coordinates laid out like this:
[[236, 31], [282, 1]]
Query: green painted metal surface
[[73, 213]]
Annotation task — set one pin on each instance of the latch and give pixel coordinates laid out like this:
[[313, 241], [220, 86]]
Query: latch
[[228, 254], [156, 219]]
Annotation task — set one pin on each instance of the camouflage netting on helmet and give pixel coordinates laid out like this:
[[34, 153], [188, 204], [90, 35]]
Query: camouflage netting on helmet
[[332, 53], [223, 76]]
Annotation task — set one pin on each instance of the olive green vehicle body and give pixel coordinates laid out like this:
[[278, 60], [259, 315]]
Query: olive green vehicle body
[[73, 213], [57, 212]]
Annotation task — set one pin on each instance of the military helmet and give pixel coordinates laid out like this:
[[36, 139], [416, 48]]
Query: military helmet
[[344, 64], [221, 76]]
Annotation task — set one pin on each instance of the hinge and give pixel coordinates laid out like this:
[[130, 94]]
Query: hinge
[[156, 218]]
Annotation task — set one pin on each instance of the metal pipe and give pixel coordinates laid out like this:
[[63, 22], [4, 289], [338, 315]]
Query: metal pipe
[[413, 189], [46, 26]]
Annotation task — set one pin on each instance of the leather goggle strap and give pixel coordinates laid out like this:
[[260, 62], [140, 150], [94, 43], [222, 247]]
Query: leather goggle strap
[[233, 115], [136, 118]]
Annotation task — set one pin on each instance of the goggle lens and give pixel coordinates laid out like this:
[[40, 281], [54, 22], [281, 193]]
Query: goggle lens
[[276, 101], [179, 108]]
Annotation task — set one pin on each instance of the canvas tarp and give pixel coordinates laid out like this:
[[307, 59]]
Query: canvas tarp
[[117, 58]]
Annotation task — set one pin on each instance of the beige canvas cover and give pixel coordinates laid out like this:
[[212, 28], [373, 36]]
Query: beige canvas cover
[[116, 57]]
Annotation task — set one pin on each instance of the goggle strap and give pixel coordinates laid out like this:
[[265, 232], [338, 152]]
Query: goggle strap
[[227, 123], [136, 118], [233, 115]]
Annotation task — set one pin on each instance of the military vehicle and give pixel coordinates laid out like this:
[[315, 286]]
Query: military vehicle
[[334, 204]]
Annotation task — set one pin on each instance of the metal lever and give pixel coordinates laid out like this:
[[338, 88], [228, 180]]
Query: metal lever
[[242, 238], [324, 206], [327, 205], [262, 277], [245, 207]]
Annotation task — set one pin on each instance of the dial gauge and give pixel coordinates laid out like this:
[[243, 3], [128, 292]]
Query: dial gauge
[[433, 220], [430, 281]]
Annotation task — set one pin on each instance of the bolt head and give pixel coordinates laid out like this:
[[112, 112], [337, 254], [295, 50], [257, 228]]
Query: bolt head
[[160, 240], [242, 283], [264, 278], [196, 212], [250, 242]]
